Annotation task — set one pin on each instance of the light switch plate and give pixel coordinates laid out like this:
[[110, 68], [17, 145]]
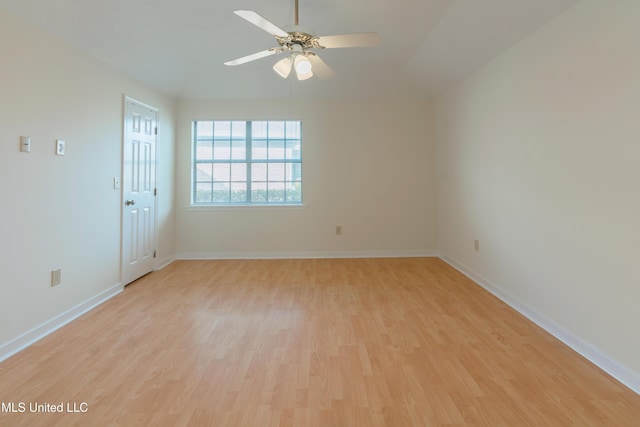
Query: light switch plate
[[59, 147], [25, 144]]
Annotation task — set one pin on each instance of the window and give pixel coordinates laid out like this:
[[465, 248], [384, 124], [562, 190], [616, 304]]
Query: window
[[247, 163]]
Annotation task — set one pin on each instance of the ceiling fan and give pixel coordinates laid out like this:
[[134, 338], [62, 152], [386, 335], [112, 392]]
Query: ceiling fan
[[298, 42]]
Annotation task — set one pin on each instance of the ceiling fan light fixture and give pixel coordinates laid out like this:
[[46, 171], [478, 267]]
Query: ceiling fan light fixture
[[302, 65], [304, 76], [283, 67]]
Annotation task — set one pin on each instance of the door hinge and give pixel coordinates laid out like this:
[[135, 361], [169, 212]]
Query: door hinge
[[155, 191], [154, 254], [156, 130]]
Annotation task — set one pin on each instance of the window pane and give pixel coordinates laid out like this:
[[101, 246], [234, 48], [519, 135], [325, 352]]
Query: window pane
[[203, 193], [221, 172], [259, 192], [239, 192], [222, 149], [204, 129], [276, 130], [239, 130], [294, 172], [238, 149], [204, 172], [221, 192], [293, 130], [238, 172], [293, 192], [293, 149], [275, 192], [259, 149], [259, 172], [276, 171], [259, 130], [222, 130], [204, 149], [276, 149]]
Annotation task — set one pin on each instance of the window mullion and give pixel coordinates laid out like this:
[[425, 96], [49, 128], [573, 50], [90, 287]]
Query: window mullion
[[268, 162], [230, 198], [249, 158], [194, 156], [284, 157]]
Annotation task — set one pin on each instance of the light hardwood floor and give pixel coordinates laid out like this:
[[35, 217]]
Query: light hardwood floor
[[346, 342]]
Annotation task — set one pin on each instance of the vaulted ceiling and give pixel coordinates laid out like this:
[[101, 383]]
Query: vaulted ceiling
[[179, 46]]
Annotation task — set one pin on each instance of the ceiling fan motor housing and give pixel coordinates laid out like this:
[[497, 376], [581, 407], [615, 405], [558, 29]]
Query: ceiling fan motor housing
[[299, 36]]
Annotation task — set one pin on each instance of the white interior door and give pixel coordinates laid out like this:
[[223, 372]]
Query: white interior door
[[138, 190]]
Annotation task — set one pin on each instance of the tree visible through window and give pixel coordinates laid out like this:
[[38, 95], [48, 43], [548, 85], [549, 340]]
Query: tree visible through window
[[247, 162]]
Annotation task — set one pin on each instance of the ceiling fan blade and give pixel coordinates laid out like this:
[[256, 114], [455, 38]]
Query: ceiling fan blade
[[252, 57], [320, 68], [350, 40], [261, 22]]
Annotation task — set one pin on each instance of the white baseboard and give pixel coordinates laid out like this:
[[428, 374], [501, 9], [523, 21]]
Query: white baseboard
[[23, 341], [164, 262], [620, 372], [306, 255]]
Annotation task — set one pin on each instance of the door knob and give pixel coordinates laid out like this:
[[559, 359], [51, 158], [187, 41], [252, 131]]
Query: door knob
[[129, 202]]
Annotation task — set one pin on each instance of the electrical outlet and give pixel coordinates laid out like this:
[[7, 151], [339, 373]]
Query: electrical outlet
[[56, 277], [338, 230], [476, 245]]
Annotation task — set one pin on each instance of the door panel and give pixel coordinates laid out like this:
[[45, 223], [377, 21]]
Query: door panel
[[139, 185], [147, 233], [133, 241]]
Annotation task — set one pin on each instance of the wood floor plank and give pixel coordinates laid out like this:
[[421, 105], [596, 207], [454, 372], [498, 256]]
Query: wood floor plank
[[342, 342]]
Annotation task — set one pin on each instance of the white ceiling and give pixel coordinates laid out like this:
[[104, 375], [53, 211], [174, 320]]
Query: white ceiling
[[179, 46]]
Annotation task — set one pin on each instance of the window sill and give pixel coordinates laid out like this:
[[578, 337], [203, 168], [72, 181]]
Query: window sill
[[200, 208]]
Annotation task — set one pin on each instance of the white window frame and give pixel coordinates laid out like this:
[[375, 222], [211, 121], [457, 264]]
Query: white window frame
[[290, 183]]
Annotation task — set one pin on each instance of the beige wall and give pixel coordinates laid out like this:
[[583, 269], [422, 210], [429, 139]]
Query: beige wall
[[368, 165], [538, 158], [62, 212]]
